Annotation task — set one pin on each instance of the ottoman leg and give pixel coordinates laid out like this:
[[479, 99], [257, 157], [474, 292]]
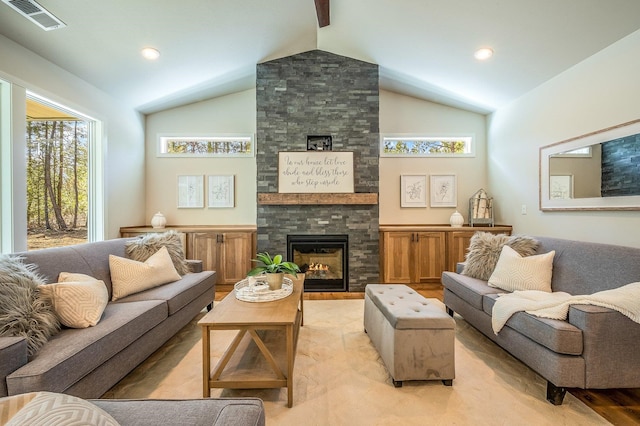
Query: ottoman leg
[[447, 382], [397, 383]]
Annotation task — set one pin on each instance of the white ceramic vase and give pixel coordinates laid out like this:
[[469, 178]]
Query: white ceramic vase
[[456, 220], [158, 220]]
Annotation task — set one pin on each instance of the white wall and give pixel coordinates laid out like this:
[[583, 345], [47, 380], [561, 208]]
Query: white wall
[[235, 113], [123, 130], [600, 92], [404, 114]]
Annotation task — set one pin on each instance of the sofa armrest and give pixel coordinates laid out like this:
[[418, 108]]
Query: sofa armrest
[[194, 265], [609, 346], [13, 355], [201, 412]]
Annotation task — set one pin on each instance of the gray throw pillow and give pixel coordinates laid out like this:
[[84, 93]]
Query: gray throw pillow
[[146, 246], [24, 311], [485, 248]]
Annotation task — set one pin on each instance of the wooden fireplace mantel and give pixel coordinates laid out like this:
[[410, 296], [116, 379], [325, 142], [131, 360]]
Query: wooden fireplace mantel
[[274, 198]]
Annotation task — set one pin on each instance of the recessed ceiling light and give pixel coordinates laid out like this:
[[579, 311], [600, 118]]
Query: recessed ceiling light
[[483, 53], [150, 53]]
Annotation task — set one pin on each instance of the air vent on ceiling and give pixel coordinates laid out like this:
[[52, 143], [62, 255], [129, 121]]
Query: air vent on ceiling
[[36, 13]]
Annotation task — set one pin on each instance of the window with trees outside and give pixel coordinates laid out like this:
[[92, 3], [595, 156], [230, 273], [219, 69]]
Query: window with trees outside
[[228, 145], [426, 146], [57, 159]]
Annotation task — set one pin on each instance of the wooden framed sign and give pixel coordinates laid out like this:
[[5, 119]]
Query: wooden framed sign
[[315, 172]]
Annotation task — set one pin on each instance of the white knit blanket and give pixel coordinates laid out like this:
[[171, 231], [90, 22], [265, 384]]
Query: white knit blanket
[[625, 299]]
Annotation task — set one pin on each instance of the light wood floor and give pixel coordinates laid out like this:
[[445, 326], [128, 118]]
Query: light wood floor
[[618, 406]]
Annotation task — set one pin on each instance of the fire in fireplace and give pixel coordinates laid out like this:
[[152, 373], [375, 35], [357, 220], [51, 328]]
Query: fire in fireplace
[[323, 259]]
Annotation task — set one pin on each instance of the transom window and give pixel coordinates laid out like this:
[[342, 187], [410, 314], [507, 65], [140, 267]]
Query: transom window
[[426, 146], [585, 151], [206, 146]]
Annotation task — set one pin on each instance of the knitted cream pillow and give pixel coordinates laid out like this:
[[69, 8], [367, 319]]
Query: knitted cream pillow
[[515, 272], [129, 276], [48, 408], [78, 300]]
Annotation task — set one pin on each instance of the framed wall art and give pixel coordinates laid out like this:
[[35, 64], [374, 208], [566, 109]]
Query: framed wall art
[[413, 191], [221, 191], [190, 191], [443, 190], [560, 187]]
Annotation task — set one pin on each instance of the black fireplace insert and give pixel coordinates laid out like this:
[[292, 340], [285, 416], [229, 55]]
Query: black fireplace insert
[[324, 259]]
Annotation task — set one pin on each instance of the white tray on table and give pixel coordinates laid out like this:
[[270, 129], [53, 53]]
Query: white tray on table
[[253, 289]]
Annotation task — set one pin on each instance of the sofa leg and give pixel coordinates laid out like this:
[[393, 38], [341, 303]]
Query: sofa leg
[[450, 311], [397, 383], [555, 394], [447, 382], [209, 307]]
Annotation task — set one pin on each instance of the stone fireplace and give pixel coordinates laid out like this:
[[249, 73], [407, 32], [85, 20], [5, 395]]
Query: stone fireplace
[[320, 93]]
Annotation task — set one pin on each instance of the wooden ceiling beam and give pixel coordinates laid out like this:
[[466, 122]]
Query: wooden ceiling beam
[[322, 10]]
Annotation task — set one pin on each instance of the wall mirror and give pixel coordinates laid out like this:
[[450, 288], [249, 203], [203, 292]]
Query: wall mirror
[[596, 171]]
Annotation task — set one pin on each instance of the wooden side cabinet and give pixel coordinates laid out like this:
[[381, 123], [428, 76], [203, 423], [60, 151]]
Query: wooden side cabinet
[[412, 257], [227, 250], [228, 253], [419, 254]]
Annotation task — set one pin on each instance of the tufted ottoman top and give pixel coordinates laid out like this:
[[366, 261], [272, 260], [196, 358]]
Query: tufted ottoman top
[[405, 308]]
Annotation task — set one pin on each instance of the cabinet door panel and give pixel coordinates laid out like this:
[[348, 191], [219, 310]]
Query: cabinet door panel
[[237, 249], [397, 257], [430, 256], [204, 246], [459, 242]]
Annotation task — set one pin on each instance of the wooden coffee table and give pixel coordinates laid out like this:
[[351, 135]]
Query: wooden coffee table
[[262, 354]]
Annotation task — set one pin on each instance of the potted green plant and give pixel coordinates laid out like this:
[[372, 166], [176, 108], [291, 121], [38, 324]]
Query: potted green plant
[[274, 269]]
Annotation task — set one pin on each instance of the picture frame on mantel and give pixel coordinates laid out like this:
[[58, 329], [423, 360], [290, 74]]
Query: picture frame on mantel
[[413, 190], [443, 190], [312, 172]]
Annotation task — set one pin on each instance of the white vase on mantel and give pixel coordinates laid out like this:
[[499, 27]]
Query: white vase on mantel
[[456, 220], [158, 220]]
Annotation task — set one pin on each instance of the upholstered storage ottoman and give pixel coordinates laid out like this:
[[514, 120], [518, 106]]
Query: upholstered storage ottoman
[[413, 335]]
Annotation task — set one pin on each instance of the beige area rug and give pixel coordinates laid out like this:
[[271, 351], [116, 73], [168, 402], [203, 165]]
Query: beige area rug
[[339, 379]]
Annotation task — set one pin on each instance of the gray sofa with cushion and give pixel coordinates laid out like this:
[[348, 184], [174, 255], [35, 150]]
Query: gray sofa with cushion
[[87, 362], [595, 348]]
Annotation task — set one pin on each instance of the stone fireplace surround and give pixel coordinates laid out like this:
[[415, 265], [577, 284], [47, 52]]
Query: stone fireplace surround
[[322, 93]]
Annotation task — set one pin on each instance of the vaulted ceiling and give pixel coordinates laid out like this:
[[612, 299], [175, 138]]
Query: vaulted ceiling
[[424, 47]]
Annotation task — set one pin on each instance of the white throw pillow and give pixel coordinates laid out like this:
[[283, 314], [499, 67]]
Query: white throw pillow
[[78, 300], [48, 408], [515, 272], [129, 276]]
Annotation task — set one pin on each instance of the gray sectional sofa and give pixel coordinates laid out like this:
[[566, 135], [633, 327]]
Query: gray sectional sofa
[[89, 361], [595, 348]]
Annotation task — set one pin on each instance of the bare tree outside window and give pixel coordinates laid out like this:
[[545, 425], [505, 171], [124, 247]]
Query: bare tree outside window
[[57, 182], [421, 145]]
